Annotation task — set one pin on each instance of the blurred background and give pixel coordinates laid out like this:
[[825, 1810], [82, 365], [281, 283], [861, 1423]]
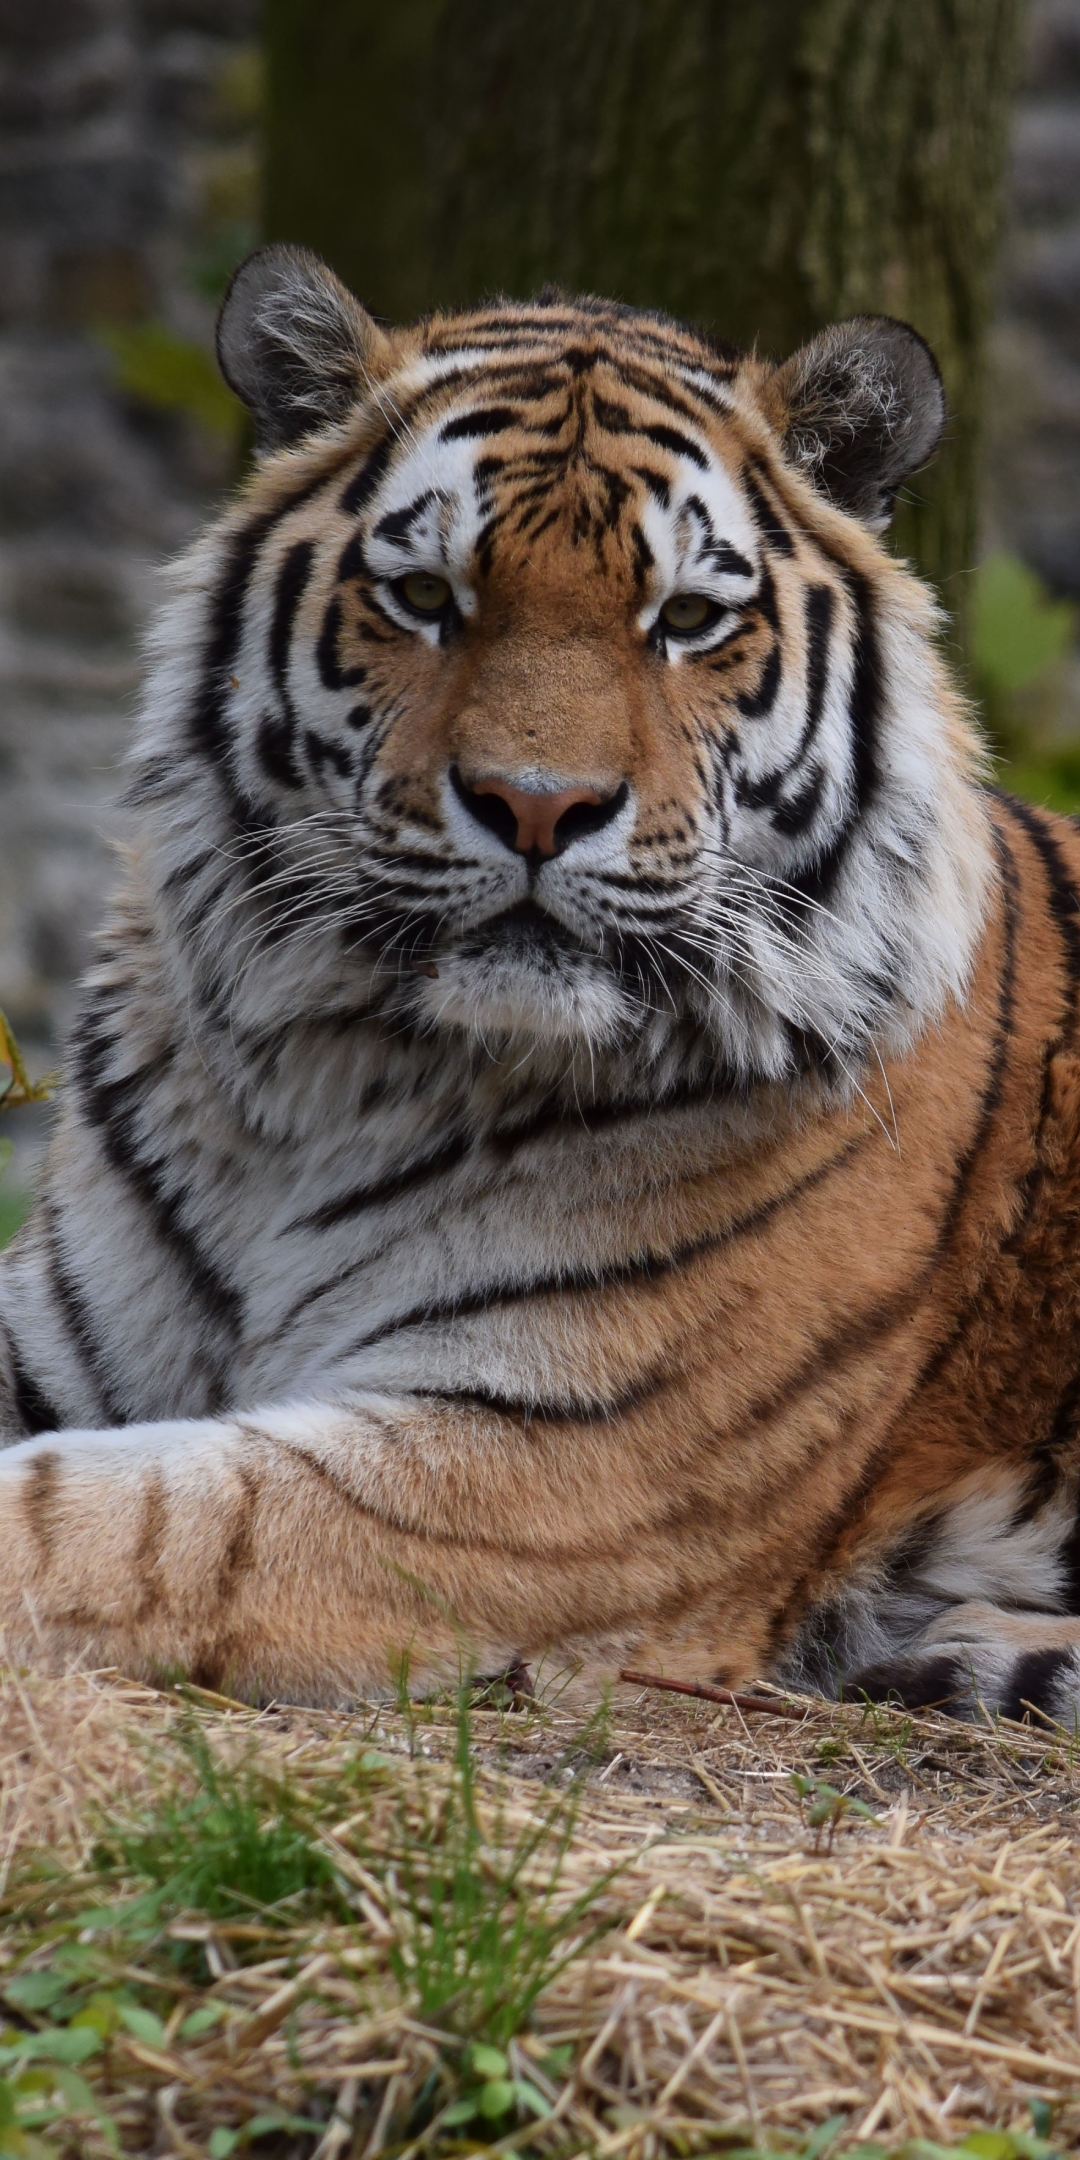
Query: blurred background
[[760, 170]]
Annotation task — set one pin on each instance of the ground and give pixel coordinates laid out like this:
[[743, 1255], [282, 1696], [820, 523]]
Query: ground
[[672, 1928]]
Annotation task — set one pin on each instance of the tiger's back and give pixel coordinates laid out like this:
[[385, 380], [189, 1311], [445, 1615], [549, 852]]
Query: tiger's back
[[576, 1108]]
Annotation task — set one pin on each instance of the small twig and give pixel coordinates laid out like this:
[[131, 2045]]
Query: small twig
[[764, 1703]]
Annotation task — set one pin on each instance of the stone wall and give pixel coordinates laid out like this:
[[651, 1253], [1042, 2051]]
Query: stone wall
[[127, 183], [127, 169]]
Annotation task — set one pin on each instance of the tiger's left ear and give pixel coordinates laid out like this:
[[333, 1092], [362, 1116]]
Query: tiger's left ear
[[294, 344], [861, 407]]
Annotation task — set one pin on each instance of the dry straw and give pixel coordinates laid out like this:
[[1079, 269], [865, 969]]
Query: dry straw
[[852, 1919]]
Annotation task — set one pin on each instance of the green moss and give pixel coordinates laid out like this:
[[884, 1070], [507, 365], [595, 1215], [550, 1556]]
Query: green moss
[[172, 374], [1018, 630], [1021, 635]]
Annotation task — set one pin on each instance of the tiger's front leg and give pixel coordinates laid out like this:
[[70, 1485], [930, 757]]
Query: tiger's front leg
[[299, 1552]]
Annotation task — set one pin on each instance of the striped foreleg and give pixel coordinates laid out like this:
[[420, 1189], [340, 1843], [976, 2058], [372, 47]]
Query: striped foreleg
[[299, 1552]]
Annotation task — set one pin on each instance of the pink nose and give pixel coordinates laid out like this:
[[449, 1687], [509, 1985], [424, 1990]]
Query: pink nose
[[536, 816]]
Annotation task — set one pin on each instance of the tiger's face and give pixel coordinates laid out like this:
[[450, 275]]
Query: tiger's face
[[554, 683]]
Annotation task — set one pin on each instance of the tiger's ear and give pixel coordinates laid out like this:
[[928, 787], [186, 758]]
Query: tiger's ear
[[294, 344], [862, 407]]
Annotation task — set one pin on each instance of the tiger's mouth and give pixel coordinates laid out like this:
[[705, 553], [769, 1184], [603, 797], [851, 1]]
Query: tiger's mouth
[[523, 976], [524, 934]]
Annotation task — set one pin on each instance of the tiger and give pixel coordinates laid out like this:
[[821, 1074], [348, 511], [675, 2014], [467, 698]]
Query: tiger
[[569, 1157]]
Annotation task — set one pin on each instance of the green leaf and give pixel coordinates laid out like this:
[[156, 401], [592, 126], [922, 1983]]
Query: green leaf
[[527, 2096], [82, 2101], [459, 2111], [31, 2083], [143, 2023], [558, 2063], [497, 2098], [131, 1913], [35, 1990], [222, 2142], [62, 2045], [261, 2125], [101, 2015], [487, 2061], [200, 2021], [23, 2145], [372, 1760], [925, 2149], [990, 2145], [826, 2133], [1042, 2117]]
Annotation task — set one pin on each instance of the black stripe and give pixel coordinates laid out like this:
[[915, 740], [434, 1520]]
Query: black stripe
[[820, 607], [353, 562], [990, 1100], [1036, 1679], [186, 872], [1064, 903], [824, 1358], [111, 1107], [757, 794], [77, 1319], [843, 1517], [363, 484], [938, 1682], [1067, 1415], [208, 729], [796, 813], [766, 517], [397, 524], [669, 438], [321, 753], [755, 704], [274, 748], [851, 1335], [331, 673], [864, 711], [483, 420], [36, 1413], [1064, 897], [553, 1115], [275, 740], [388, 1188], [657, 485], [865, 705], [292, 579], [644, 1267]]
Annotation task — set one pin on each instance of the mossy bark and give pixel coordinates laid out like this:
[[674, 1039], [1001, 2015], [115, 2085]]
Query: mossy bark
[[758, 169]]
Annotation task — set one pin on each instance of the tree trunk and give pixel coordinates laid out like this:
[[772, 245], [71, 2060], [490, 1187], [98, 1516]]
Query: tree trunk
[[758, 169]]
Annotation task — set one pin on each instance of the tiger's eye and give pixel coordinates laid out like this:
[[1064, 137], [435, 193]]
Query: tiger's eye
[[428, 595], [686, 611]]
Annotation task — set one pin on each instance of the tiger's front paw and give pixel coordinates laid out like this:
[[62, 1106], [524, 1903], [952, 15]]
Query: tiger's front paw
[[980, 1658]]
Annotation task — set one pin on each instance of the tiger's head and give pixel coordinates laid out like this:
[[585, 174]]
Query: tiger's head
[[551, 671]]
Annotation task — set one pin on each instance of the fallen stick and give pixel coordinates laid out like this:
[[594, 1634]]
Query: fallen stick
[[714, 1694]]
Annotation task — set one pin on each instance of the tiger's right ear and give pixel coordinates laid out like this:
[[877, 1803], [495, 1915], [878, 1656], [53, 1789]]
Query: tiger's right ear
[[294, 344]]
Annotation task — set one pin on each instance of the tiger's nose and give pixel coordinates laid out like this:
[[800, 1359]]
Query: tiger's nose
[[539, 825]]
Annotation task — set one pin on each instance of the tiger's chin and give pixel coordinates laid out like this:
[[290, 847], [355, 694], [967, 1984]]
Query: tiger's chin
[[515, 989]]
